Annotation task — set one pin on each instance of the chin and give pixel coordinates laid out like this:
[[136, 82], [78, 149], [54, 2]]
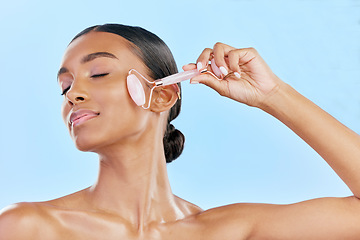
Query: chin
[[85, 147], [86, 143], [98, 139], [91, 143]]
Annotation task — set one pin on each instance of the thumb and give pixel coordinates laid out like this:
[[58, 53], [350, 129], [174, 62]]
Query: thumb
[[210, 81]]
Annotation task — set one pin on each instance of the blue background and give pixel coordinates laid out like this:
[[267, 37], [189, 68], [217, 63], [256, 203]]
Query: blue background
[[233, 153]]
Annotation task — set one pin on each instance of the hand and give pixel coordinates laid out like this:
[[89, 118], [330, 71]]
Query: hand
[[246, 76]]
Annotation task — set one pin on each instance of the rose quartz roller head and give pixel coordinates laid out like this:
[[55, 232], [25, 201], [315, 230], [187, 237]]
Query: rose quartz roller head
[[136, 89]]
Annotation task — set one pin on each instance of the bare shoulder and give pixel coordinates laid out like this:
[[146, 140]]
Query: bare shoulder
[[19, 213], [21, 220], [40, 220], [226, 222]]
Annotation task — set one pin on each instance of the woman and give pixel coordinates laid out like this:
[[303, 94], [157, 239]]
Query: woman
[[131, 198]]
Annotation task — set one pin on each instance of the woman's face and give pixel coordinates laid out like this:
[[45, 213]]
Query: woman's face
[[97, 108]]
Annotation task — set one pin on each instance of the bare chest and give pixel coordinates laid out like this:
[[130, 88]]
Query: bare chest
[[77, 226]]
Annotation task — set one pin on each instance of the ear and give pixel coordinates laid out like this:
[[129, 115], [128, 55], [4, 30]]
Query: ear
[[164, 97]]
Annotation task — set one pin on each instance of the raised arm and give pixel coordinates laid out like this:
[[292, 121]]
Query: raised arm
[[338, 145], [249, 80], [259, 87]]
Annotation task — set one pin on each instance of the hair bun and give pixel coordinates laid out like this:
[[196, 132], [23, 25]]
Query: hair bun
[[173, 143]]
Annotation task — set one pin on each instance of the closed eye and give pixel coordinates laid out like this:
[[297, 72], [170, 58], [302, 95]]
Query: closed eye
[[99, 75], [65, 90], [93, 76]]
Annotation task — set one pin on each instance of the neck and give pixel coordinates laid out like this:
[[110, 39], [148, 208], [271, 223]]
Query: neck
[[133, 183]]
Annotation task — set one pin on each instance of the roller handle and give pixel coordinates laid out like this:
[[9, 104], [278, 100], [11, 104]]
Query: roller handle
[[179, 77]]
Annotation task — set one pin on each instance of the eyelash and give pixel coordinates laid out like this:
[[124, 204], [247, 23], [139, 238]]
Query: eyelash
[[99, 75], [93, 76], [65, 90]]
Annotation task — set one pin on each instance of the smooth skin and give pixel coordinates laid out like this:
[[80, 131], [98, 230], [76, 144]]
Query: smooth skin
[[132, 198]]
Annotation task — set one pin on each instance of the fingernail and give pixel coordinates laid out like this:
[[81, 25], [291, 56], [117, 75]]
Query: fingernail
[[199, 66], [215, 68], [237, 74], [194, 82], [223, 70]]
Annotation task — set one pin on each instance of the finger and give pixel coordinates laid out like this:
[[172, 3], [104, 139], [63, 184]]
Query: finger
[[246, 55], [233, 60], [220, 52], [215, 69], [204, 58], [189, 66]]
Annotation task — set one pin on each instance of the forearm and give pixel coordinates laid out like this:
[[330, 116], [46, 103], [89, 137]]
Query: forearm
[[336, 143]]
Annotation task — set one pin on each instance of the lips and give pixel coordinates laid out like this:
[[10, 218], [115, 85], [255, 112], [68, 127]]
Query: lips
[[81, 116]]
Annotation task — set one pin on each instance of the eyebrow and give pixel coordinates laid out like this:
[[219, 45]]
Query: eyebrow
[[92, 56], [88, 58], [61, 71]]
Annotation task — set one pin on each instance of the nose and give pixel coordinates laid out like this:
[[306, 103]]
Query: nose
[[77, 93]]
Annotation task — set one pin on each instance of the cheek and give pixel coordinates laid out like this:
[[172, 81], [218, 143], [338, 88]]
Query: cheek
[[118, 104], [122, 115]]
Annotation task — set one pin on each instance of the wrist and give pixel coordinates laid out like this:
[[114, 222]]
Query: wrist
[[277, 100]]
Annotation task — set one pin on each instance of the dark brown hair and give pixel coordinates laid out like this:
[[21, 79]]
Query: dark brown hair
[[158, 58]]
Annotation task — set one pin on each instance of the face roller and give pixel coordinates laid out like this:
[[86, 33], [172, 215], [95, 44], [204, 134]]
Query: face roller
[[136, 89]]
